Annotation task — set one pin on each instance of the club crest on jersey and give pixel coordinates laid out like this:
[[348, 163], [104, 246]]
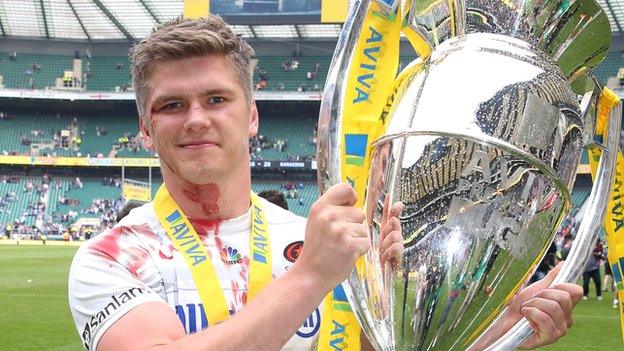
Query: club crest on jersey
[[184, 238], [230, 256], [293, 250]]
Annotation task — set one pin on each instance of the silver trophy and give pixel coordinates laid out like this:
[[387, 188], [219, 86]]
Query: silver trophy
[[481, 145]]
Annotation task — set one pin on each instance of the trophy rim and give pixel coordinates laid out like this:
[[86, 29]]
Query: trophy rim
[[487, 140]]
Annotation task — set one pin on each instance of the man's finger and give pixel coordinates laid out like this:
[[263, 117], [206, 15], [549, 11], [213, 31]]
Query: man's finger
[[397, 209], [552, 309], [339, 195], [575, 290], [547, 280], [547, 331], [562, 298]]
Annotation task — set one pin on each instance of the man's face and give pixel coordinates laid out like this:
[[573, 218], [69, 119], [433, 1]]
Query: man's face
[[198, 119]]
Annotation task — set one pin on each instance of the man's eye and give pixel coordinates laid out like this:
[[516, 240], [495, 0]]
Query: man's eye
[[216, 100], [172, 106]]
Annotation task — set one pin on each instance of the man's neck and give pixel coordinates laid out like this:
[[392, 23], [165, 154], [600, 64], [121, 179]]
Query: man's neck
[[212, 201]]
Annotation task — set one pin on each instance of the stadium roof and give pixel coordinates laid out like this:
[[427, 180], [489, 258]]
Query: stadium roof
[[102, 20], [112, 20]]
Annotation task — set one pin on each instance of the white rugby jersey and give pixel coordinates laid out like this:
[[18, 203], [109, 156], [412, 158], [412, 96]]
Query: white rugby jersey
[[135, 262]]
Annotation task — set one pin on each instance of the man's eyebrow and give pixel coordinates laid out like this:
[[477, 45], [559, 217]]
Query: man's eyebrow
[[218, 91], [164, 98]]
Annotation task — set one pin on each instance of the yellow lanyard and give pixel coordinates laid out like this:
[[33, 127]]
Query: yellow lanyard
[[188, 243]]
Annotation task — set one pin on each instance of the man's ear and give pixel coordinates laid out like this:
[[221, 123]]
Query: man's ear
[[148, 142], [253, 119]]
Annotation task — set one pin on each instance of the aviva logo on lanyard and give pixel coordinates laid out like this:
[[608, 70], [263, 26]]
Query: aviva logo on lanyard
[[190, 246]]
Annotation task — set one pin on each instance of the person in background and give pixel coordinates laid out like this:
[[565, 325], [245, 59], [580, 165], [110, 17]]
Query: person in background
[[274, 196]]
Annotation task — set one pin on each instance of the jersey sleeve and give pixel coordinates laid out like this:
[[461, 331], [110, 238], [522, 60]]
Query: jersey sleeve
[[105, 283]]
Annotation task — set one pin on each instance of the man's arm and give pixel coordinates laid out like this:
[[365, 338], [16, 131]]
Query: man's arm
[[335, 237], [266, 323]]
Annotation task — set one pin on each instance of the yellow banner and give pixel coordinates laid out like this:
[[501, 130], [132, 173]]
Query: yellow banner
[[136, 192], [614, 218], [334, 11], [196, 8], [79, 161], [370, 83]]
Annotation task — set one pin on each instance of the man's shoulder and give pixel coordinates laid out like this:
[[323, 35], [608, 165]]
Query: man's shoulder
[[134, 231]]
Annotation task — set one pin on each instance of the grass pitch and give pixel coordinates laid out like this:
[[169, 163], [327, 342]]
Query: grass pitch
[[34, 312]]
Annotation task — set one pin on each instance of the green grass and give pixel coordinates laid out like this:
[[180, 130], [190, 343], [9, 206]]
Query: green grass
[[34, 313]]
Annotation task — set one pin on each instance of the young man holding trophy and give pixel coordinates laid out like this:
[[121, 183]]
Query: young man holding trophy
[[201, 267]]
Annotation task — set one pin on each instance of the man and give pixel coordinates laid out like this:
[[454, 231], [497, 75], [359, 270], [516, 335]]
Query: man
[[176, 273]]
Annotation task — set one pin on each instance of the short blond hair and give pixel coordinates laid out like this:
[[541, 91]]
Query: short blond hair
[[186, 38]]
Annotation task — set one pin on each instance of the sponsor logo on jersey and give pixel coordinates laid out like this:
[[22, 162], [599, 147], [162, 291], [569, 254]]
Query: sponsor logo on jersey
[[117, 301], [293, 250], [311, 325], [230, 255], [192, 316]]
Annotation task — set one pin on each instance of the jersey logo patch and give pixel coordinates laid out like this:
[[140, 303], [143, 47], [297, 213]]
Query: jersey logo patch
[[311, 325], [230, 256], [293, 250]]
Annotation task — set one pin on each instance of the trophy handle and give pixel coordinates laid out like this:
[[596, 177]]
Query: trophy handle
[[592, 220]]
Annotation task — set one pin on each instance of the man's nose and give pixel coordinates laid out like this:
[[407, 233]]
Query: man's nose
[[197, 117]]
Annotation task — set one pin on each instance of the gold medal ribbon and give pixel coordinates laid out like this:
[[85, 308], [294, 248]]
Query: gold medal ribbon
[[188, 243]]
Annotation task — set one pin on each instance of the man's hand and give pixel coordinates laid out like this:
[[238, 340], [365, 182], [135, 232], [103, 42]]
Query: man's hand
[[391, 248], [335, 236], [547, 308]]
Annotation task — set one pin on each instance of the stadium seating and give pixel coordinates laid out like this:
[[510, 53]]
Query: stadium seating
[[21, 72], [579, 195], [609, 66], [91, 189], [292, 79], [296, 130], [25, 125], [106, 73], [307, 193], [17, 209]]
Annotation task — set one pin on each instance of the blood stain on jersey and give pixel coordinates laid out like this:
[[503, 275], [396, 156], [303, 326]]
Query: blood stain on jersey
[[133, 256], [293, 250], [166, 251]]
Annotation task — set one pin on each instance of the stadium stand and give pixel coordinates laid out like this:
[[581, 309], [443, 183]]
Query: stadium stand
[[579, 195], [288, 137], [107, 73], [306, 73], [609, 67], [33, 71], [112, 73]]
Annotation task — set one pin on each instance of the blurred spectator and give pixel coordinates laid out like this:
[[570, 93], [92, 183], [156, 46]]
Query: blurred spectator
[[274, 196], [592, 271]]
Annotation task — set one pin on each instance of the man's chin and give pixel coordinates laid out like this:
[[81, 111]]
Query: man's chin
[[201, 177]]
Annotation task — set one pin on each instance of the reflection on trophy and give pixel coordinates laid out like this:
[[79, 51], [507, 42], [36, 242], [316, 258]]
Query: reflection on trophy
[[481, 140]]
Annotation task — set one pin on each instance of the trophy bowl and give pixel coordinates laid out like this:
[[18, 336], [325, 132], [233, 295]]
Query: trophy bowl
[[485, 181]]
